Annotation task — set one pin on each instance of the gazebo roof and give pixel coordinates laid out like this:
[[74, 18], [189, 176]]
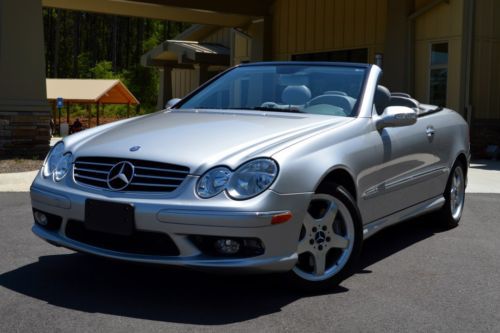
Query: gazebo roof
[[90, 91]]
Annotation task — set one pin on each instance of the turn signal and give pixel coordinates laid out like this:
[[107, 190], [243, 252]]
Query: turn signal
[[281, 218]]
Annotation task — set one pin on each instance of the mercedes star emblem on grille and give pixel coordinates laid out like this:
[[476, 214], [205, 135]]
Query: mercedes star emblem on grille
[[120, 175]]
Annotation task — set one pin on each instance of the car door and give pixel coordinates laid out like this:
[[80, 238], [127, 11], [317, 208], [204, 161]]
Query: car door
[[403, 172]]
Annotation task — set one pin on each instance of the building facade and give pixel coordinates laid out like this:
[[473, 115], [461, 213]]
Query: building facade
[[444, 52]]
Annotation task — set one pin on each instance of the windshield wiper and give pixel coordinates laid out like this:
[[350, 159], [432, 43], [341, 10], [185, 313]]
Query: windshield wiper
[[269, 108], [257, 108]]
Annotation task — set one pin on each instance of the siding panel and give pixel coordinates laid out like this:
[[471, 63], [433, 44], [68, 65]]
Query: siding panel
[[319, 21], [310, 18], [486, 60], [301, 25], [292, 27], [349, 23], [359, 22], [309, 26], [339, 22], [330, 26]]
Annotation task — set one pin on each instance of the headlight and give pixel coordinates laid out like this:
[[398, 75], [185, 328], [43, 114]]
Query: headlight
[[252, 178], [63, 167], [213, 182], [52, 159]]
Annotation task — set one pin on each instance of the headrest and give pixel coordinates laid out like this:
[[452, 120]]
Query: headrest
[[382, 98], [400, 94], [334, 92], [346, 103], [296, 95], [403, 101]]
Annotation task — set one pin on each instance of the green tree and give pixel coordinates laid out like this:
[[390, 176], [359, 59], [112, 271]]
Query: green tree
[[89, 45]]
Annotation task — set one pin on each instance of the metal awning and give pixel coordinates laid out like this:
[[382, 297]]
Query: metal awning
[[184, 54]]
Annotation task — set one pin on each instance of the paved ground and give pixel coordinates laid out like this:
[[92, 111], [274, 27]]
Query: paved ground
[[484, 177], [412, 277]]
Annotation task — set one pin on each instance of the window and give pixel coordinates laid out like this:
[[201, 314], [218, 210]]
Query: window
[[438, 78], [355, 55]]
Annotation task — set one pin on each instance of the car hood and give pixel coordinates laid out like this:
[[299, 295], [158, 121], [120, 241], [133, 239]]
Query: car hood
[[200, 139]]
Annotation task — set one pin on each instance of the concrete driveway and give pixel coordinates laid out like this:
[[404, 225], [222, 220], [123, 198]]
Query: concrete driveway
[[411, 277]]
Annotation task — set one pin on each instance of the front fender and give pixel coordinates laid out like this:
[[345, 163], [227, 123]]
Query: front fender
[[304, 165]]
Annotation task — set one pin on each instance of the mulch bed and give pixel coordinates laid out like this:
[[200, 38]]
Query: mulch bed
[[19, 165]]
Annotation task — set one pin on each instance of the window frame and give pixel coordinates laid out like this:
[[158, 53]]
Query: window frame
[[432, 67]]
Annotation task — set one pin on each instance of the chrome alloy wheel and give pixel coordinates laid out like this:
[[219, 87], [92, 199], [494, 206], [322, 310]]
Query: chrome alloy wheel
[[326, 240], [457, 193]]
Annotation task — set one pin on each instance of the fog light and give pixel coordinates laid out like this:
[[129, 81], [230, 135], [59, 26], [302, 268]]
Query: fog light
[[41, 218], [227, 246]]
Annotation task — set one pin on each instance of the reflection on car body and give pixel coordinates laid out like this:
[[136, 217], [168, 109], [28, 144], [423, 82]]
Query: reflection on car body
[[269, 167]]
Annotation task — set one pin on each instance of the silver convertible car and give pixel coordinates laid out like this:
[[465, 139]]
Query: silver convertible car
[[269, 167]]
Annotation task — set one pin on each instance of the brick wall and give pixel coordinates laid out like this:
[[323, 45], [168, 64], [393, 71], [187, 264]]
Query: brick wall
[[24, 134]]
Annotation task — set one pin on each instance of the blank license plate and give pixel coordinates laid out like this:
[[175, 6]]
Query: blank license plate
[[109, 217]]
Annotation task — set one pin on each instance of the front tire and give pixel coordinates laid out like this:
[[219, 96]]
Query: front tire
[[330, 240]]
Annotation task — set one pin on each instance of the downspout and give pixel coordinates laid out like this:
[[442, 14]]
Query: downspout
[[467, 47], [411, 41]]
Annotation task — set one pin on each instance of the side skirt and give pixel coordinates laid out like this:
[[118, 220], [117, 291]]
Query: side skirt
[[419, 209]]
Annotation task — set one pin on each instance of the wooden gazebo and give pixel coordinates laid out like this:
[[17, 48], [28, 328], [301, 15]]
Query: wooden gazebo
[[88, 92]]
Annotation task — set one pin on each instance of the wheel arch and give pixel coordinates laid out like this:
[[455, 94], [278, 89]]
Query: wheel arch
[[463, 160], [342, 177]]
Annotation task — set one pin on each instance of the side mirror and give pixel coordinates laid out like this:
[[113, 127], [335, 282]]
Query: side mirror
[[172, 102], [396, 116]]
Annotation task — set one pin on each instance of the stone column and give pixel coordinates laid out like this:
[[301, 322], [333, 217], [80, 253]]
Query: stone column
[[24, 110], [165, 92], [202, 74]]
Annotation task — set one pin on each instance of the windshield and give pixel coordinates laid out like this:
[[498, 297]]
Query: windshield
[[329, 90]]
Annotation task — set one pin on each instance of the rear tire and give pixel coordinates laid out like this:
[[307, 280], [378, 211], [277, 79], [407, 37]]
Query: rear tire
[[330, 240], [449, 215]]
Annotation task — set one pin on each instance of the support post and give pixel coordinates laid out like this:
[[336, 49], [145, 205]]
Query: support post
[[166, 92], [89, 114], [97, 113], [68, 110], [54, 110]]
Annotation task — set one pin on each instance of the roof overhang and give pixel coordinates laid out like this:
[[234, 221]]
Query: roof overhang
[[184, 54], [214, 12]]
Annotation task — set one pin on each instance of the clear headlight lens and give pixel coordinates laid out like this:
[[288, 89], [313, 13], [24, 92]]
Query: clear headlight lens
[[63, 167], [213, 182], [252, 178], [52, 159]]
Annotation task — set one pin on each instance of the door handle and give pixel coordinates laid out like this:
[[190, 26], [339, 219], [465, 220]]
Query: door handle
[[430, 131]]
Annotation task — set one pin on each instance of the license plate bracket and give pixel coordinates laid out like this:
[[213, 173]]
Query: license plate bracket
[[109, 217]]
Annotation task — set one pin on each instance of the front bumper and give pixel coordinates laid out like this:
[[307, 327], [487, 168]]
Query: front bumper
[[181, 216]]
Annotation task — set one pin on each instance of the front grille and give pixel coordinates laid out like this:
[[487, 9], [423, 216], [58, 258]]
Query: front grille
[[140, 242], [149, 176]]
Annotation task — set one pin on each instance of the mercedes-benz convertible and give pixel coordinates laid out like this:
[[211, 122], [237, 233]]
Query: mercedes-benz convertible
[[279, 167]]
